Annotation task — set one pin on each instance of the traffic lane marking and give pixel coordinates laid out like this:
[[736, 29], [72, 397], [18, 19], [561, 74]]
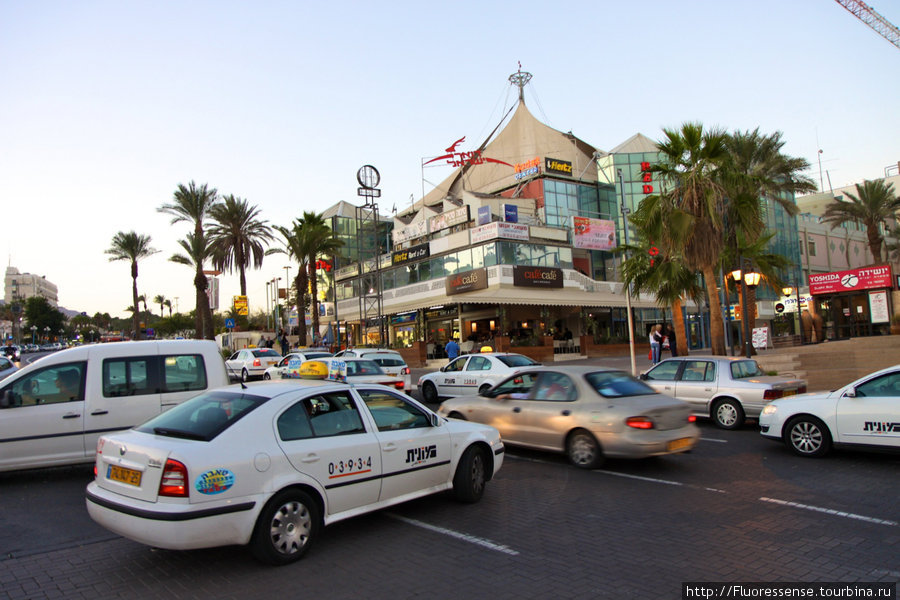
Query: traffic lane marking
[[484, 543], [830, 511]]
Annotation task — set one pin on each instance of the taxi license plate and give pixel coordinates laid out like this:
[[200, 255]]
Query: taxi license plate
[[679, 444], [123, 475]]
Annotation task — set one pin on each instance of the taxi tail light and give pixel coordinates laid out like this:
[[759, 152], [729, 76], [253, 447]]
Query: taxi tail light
[[639, 422], [801, 389], [772, 394], [174, 480], [257, 362], [397, 384]]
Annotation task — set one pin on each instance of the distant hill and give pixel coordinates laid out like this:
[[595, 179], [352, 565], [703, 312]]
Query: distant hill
[[69, 313]]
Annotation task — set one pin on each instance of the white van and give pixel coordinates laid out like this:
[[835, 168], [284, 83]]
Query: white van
[[53, 411]]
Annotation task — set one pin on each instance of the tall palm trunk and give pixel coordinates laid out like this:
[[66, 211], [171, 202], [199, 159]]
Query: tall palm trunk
[[302, 282], [134, 295], [680, 332], [203, 318], [716, 324], [314, 298]]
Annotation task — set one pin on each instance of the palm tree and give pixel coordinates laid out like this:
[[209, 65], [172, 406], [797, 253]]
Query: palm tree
[[321, 241], [197, 250], [694, 197], [874, 206], [191, 204], [237, 236], [161, 300], [168, 304], [132, 247], [297, 247]]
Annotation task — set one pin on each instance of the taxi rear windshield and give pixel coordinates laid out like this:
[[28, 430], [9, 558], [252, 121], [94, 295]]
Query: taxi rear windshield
[[516, 361], [617, 384], [203, 417]]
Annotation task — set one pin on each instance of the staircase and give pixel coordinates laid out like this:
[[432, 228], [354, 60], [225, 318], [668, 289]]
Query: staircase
[[833, 364]]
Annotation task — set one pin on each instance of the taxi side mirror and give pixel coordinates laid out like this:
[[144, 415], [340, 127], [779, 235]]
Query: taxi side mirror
[[436, 420], [643, 377]]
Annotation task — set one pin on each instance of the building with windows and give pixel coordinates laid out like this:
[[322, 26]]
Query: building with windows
[[18, 287]]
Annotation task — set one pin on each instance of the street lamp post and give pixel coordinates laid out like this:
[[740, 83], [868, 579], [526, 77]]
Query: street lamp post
[[33, 329], [46, 335], [787, 291], [748, 278], [625, 212]]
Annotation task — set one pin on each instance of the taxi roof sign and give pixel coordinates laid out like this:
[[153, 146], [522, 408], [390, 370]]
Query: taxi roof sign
[[312, 369]]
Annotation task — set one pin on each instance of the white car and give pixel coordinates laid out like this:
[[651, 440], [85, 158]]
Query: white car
[[471, 374], [393, 364], [269, 465], [251, 363], [865, 413], [362, 370], [282, 369]]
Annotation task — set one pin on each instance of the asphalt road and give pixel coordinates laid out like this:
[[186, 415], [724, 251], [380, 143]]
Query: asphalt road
[[738, 508]]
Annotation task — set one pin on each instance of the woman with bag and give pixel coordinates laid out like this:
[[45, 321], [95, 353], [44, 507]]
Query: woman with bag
[[656, 338]]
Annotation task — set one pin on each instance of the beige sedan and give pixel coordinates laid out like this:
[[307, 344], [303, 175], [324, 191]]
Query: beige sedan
[[588, 413]]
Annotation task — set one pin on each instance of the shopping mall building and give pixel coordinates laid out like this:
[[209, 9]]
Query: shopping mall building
[[513, 249]]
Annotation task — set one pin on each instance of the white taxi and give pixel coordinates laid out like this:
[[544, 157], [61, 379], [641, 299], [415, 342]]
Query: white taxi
[[251, 363], [269, 465], [472, 374], [862, 414], [287, 367]]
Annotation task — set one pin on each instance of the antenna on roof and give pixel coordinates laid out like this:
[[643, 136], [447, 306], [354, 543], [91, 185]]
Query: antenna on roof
[[520, 79]]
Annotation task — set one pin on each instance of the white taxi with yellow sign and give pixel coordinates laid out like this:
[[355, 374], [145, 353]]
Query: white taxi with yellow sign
[[269, 465]]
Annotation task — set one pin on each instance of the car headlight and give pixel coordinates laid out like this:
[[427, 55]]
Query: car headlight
[[770, 409]]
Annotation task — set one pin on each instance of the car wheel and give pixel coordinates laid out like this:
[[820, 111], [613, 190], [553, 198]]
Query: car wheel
[[245, 376], [484, 389], [287, 527], [728, 414], [456, 415], [468, 483], [429, 392], [583, 450], [807, 436], [266, 376]]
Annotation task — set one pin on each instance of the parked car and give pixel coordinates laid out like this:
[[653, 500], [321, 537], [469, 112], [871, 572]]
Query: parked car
[[471, 374], [7, 367], [53, 411], [588, 413], [12, 352], [726, 389], [392, 363], [283, 368], [864, 414], [192, 477], [251, 363], [359, 370]]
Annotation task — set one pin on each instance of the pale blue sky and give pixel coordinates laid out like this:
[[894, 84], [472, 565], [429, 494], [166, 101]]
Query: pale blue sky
[[105, 107]]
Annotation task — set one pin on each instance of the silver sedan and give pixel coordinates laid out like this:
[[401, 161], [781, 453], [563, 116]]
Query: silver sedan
[[724, 388], [589, 413]]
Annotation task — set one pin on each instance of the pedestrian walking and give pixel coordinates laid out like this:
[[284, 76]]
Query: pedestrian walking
[[655, 343], [452, 349], [673, 342]]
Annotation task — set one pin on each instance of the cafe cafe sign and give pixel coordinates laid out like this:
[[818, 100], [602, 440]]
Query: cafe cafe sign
[[469, 281]]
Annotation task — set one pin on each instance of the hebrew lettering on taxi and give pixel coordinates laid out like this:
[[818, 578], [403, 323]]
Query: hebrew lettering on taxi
[[419, 455]]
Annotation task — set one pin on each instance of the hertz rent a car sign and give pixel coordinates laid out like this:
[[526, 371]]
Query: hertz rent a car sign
[[865, 278]]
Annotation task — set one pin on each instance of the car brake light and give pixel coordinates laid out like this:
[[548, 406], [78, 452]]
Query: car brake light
[[256, 362], [772, 394], [174, 480], [801, 389], [639, 422], [692, 418]]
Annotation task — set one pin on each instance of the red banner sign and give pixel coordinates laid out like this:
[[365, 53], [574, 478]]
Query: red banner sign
[[866, 278]]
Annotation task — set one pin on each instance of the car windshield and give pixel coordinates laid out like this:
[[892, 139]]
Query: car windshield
[[363, 367], [389, 361], [264, 352], [745, 368], [516, 360], [617, 384], [312, 355], [203, 417]]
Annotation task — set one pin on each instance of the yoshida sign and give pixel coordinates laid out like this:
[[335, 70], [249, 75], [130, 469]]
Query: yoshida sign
[[865, 278], [542, 277], [469, 281]]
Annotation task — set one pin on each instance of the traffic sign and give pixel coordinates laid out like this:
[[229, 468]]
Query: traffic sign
[[229, 323]]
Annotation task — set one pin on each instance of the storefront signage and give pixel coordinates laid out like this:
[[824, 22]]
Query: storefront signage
[[469, 281], [405, 256], [593, 234], [459, 159], [540, 277], [878, 307], [400, 319], [528, 168], [240, 305], [484, 215], [563, 167], [509, 231], [346, 272], [410, 232], [510, 213], [449, 218], [865, 278], [789, 304], [647, 178]]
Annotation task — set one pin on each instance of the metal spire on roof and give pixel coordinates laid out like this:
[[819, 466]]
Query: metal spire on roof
[[520, 79]]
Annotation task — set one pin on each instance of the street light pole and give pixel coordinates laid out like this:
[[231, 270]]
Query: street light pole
[[748, 279], [625, 210]]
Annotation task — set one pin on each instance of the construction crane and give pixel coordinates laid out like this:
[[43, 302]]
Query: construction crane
[[870, 17]]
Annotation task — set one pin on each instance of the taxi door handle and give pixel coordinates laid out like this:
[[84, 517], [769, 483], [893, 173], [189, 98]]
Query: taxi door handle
[[71, 416], [566, 413], [310, 458], [389, 447], [517, 409], [100, 412]]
